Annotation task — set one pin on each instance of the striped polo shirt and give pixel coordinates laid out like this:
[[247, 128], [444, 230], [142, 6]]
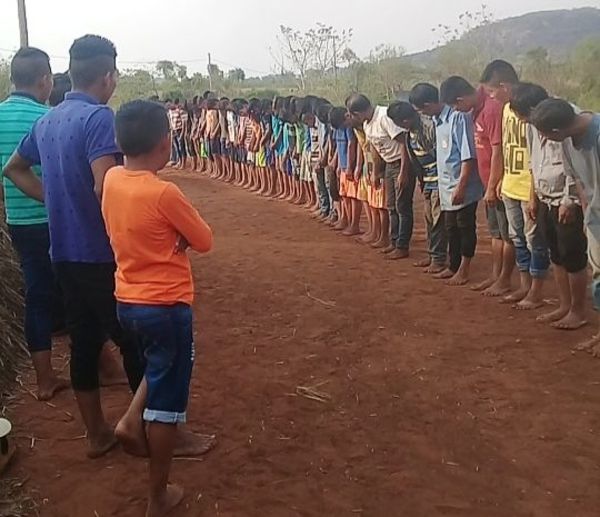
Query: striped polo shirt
[[18, 114]]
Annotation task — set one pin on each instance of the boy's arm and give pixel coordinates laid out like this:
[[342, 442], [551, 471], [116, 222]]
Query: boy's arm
[[405, 164], [352, 157], [175, 207], [100, 146], [18, 169], [360, 162], [496, 175], [464, 136]]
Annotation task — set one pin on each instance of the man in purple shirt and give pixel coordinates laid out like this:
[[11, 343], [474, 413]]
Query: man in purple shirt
[[75, 145]]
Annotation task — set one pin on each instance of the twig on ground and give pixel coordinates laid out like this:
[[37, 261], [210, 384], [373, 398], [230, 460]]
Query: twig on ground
[[322, 302]]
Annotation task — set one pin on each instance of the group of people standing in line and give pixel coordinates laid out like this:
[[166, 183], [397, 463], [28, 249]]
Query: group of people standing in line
[[530, 158]]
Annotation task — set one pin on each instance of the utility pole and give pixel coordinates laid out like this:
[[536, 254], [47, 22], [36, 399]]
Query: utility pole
[[23, 32], [210, 84]]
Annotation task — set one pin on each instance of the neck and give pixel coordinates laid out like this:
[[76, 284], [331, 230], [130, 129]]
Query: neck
[[580, 127], [33, 92], [370, 114], [141, 164], [92, 92]]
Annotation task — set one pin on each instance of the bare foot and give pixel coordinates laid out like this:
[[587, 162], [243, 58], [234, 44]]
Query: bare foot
[[351, 232], [588, 345], [497, 289], [444, 275], [377, 245], [434, 269], [515, 297], [458, 279], [596, 351], [191, 444], [367, 238], [571, 321], [46, 391], [132, 436], [553, 316], [162, 506], [397, 255], [528, 305], [426, 262], [101, 445], [482, 286], [389, 249]]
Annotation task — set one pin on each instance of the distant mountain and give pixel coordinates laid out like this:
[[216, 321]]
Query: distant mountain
[[559, 32]]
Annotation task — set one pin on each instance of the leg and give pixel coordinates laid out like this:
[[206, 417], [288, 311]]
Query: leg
[[438, 240], [516, 223], [404, 206], [454, 245], [467, 227], [428, 216], [391, 175]]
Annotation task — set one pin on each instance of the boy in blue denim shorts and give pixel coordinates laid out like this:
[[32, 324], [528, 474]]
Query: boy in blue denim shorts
[[150, 224]]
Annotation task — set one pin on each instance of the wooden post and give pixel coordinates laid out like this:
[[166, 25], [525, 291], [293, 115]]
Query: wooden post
[[23, 32]]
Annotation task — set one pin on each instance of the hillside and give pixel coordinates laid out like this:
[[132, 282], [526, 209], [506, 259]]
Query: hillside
[[559, 32]]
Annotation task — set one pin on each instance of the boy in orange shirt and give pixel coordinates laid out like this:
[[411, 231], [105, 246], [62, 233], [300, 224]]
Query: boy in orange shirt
[[150, 224]]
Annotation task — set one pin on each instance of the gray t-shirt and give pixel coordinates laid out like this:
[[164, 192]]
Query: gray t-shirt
[[583, 164], [552, 185]]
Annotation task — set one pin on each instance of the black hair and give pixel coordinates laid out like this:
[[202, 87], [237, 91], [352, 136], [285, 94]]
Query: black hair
[[28, 66], [399, 111], [299, 105], [91, 57], [552, 114], [211, 103], [62, 85], [323, 111], [140, 126], [254, 108], [526, 96], [207, 94], [195, 99], [499, 71], [176, 101], [167, 100], [424, 93], [337, 117], [453, 88], [358, 103], [266, 104]]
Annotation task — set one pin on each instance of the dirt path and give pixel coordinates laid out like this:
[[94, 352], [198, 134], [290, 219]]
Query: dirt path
[[433, 410]]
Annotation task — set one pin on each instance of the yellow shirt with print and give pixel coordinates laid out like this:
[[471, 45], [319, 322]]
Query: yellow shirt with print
[[516, 183]]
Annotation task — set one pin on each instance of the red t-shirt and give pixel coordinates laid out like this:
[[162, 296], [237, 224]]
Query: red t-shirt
[[488, 132]]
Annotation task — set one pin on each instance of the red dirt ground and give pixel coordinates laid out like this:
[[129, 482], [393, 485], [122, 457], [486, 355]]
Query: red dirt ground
[[441, 403]]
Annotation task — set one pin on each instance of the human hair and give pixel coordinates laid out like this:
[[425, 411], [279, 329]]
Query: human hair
[[337, 117], [323, 111], [399, 111], [211, 103], [552, 114], [499, 71], [526, 96], [254, 108], [453, 88], [91, 57], [140, 125], [62, 85], [424, 93], [28, 66], [358, 103]]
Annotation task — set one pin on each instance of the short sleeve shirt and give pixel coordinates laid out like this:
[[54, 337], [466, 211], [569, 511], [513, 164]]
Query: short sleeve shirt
[[382, 134], [455, 145], [65, 142], [488, 132], [342, 138], [516, 183]]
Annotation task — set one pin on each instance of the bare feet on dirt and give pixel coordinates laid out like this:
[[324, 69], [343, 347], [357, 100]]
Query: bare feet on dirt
[[553, 316], [426, 262], [132, 436], [482, 286], [528, 304], [102, 444], [46, 391], [434, 269], [497, 289], [515, 297], [458, 279], [572, 321], [163, 505], [190, 444], [444, 275], [397, 255]]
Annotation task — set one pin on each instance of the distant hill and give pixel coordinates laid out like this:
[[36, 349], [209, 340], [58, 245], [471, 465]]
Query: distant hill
[[559, 32]]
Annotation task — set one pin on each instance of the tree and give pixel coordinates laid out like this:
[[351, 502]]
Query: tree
[[236, 75], [467, 22], [166, 69], [214, 71]]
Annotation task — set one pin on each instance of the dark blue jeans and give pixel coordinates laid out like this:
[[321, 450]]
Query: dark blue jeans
[[400, 206], [164, 336], [43, 303]]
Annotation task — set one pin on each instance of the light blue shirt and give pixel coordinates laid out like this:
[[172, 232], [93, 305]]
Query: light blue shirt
[[455, 137]]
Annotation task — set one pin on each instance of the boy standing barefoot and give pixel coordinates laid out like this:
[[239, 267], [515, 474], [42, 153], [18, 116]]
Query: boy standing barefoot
[[150, 224]]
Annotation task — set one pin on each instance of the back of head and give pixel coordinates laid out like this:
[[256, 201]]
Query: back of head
[[323, 111], [358, 103], [526, 96], [91, 58], [422, 94], [498, 72], [454, 88], [337, 117], [62, 85], [141, 126], [552, 115], [28, 67], [401, 111]]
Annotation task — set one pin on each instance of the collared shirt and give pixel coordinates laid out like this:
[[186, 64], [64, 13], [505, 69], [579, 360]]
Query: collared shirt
[[455, 145], [552, 185], [65, 142], [175, 119], [583, 163], [488, 132], [18, 114], [342, 138], [516, 182], [422, 143], [382, 133]]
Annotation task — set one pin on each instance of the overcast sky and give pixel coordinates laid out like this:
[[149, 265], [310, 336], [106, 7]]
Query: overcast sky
[[238, 32]]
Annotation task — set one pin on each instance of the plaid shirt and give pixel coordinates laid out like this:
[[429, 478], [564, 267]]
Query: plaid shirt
[[176, 119]]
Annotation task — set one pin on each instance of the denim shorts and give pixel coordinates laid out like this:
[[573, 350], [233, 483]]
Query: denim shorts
[[497, 221], [165, 338]]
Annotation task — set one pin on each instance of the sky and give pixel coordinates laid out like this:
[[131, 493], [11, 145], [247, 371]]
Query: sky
[[239, 33]]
